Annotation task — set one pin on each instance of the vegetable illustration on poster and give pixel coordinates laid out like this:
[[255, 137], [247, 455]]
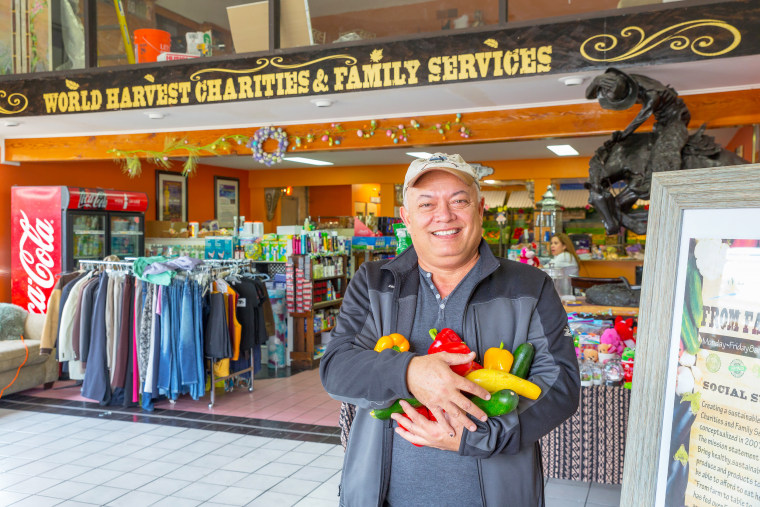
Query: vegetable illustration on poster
[[714, 445]]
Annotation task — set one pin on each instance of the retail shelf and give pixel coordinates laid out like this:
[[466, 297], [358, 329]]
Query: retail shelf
[[175, 241], [322, 278], [126, 233], [89, 232], [327, 304]]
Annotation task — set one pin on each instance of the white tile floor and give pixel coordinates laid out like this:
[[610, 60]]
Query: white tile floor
[[50, 459]]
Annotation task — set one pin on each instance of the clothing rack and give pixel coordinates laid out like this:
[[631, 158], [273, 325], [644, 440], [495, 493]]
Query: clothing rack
[[227, 267], [216, 268]]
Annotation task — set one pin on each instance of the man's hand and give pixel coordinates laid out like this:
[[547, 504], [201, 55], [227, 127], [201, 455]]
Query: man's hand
[[432, 382], [419, 430]]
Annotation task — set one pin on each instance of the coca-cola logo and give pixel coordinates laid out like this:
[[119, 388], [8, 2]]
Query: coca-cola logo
[[38, 266], [90, 199]]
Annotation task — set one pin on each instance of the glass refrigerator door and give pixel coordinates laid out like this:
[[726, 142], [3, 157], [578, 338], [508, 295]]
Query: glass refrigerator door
[[89, 236], [126, 233]]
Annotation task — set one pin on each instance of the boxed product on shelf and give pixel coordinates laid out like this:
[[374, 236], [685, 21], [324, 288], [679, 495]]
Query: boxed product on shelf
[[373, 241], [166, 229]]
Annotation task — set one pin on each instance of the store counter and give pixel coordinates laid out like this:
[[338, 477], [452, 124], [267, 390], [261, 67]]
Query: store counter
[[590, 446], [612, 311], [611, 268]]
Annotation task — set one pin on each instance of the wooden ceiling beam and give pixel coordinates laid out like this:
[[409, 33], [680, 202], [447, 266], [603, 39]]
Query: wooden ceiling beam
[[726, 109]]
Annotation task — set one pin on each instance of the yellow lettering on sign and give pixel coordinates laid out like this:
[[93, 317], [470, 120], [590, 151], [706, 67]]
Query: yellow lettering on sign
[[257, 82], [511, 62], [354, 80], [244, 83], [340, 74], [434, 69], [201, 91], [150, 94], [63, 102], [398, 79], [51, 102], [412, 66], [484, 61], [184, 90], [303, 81], [173, 92], [96, 100], [527, 60], [162, 94], [138, 96], [113, 98], [449, 68], [291, 83], [214, 90], [544, 59], [268, 81], [498, 70], [280, 90], [126, 99], [372, 77], [387, 74], [467, 67], [73, 101], [229, 90]]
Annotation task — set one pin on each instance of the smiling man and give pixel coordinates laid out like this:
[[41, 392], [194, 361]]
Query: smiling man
[[448, 279]]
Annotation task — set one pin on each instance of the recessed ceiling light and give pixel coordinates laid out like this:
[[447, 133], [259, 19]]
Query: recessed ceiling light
[[489, 182], [304, 160], [155, 116], [572, 80], [563, 150], [322, 102], [11, 123], [419, 154]]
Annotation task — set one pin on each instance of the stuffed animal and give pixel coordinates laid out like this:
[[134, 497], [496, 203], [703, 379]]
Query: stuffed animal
[[528, 256], [610, 342], [12, 319], [625, 329], [591, 354]]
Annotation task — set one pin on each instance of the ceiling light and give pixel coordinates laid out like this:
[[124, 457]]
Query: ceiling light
[[155, 116], [419, 154], [489, 182], [572, 80], [310, 161], [11, 123], [322, 102], [563, 150]]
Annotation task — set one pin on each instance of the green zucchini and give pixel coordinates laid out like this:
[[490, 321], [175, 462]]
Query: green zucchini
[[692, 308], [385, 413], [501, 402], [523, 358]]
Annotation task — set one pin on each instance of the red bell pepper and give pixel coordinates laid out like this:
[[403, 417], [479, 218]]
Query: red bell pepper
[[448, 341], [427, 414]]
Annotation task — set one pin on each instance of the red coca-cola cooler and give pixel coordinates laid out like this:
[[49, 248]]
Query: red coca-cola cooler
[[54, 227]]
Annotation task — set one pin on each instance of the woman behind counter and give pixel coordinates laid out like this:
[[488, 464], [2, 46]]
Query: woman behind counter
[[563, 253]]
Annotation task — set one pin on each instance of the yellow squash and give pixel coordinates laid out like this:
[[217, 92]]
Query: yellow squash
[[496, 380]]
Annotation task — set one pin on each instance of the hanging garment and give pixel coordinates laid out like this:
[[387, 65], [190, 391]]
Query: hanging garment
[[65, 340], [49, 333], [186, 350], [118, 299], [96, 385], [217, 334], [125, 330], [86, 304], [64, 298]]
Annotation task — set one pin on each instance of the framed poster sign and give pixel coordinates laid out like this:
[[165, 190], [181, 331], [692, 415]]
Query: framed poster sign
[[171, 196], [694, 420], [226, 200]]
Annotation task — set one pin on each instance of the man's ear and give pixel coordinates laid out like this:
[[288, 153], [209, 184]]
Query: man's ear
[[404, 216], [482, 206]]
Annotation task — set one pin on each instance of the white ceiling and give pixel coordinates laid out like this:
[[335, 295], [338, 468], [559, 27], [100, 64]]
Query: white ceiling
[[687, 78]]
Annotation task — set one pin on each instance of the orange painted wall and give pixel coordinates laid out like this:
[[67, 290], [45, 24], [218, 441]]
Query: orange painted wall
[[330, 201], [742, 138], [106, 174]]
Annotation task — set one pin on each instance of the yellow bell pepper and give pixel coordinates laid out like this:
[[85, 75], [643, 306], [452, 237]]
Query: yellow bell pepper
[[498, 359], [496, 380], [393, 341]]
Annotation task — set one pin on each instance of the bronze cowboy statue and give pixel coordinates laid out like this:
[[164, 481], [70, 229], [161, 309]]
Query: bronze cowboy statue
[[632, 158]]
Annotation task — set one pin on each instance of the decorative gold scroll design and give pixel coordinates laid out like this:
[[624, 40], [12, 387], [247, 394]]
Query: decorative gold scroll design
[[275, 62], [15, 101], [673, 35]]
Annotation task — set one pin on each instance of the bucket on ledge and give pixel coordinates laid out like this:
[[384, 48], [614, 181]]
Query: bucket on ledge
[[149, 43]]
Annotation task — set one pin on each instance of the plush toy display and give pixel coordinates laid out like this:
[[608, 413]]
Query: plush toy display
[[610, 342], [625, 329], [12, 319], [528, 256]]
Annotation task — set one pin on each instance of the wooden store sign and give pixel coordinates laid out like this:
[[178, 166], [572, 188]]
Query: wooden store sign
[[720, 30]]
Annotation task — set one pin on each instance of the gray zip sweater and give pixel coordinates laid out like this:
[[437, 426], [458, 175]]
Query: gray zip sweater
[[513, 303]]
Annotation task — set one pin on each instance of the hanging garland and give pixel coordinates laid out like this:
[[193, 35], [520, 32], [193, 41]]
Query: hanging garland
[[131, 160]]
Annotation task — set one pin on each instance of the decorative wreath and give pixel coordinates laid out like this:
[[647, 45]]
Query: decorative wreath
[[257, 145]]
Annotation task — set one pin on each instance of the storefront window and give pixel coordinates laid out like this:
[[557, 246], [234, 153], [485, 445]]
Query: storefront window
[[40, 35]]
